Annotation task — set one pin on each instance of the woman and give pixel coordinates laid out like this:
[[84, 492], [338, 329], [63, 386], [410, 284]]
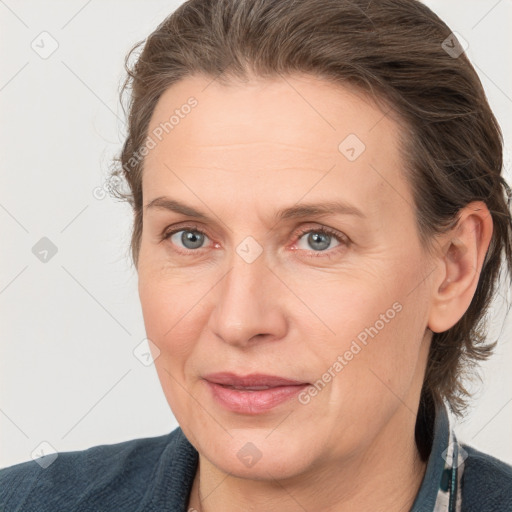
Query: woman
[[304, 377]]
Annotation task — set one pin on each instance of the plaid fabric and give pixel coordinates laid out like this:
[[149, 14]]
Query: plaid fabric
[[449, 497]]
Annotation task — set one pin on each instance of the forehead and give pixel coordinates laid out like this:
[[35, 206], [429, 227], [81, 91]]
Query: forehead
[[265, 133], [297, 109]]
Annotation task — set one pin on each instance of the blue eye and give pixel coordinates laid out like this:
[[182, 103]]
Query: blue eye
[[191, 239], [320, 239]]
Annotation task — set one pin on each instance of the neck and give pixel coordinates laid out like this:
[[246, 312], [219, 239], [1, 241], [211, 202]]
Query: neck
[[386, 476]]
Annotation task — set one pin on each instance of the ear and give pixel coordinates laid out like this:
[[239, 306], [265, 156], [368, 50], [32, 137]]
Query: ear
[[458, 265]]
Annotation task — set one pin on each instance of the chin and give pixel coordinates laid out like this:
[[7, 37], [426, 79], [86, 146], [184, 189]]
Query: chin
[[254, 454]]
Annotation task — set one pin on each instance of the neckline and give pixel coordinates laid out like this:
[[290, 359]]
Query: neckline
[[174, 475]]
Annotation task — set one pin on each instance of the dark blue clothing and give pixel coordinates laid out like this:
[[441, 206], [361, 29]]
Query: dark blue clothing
[[156, 474]]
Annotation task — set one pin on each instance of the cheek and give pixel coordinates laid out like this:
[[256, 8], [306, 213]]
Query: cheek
[[156, 305], [373, 331], [347, 307], [169, 328], [167, 311]]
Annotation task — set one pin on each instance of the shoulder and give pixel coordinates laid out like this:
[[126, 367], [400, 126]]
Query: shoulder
[[486, 483], [114, 474]]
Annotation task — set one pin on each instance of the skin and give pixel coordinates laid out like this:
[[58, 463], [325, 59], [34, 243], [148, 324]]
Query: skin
[[244, 152]]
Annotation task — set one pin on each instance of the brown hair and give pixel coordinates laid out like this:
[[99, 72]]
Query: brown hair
[[400, 53]]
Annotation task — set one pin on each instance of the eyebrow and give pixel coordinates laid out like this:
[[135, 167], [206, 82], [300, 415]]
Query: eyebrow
[[293, 212]]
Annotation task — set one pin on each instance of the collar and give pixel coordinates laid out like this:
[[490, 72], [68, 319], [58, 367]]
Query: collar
[[440, 490]]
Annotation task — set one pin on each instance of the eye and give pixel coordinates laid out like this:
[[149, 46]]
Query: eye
[[190, 237], [320, 239]]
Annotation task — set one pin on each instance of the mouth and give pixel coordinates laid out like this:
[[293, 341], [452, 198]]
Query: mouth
[[254, 380], [251, 394]]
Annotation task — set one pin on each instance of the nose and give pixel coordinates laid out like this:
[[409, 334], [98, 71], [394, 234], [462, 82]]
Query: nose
[[249, 304]]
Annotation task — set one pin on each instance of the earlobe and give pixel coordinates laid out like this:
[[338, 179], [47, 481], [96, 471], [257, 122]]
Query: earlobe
[[459, 265]]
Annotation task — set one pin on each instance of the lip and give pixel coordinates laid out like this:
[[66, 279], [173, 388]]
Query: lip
[[277, 390], [254, 379]]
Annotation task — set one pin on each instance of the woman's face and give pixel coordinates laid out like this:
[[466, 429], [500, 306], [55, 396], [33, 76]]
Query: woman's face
[[334, 299]]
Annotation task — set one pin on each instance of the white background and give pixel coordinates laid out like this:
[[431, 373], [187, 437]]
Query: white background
[[69, 326]]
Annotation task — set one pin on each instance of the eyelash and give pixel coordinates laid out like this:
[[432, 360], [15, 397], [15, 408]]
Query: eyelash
[[343, 239]]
